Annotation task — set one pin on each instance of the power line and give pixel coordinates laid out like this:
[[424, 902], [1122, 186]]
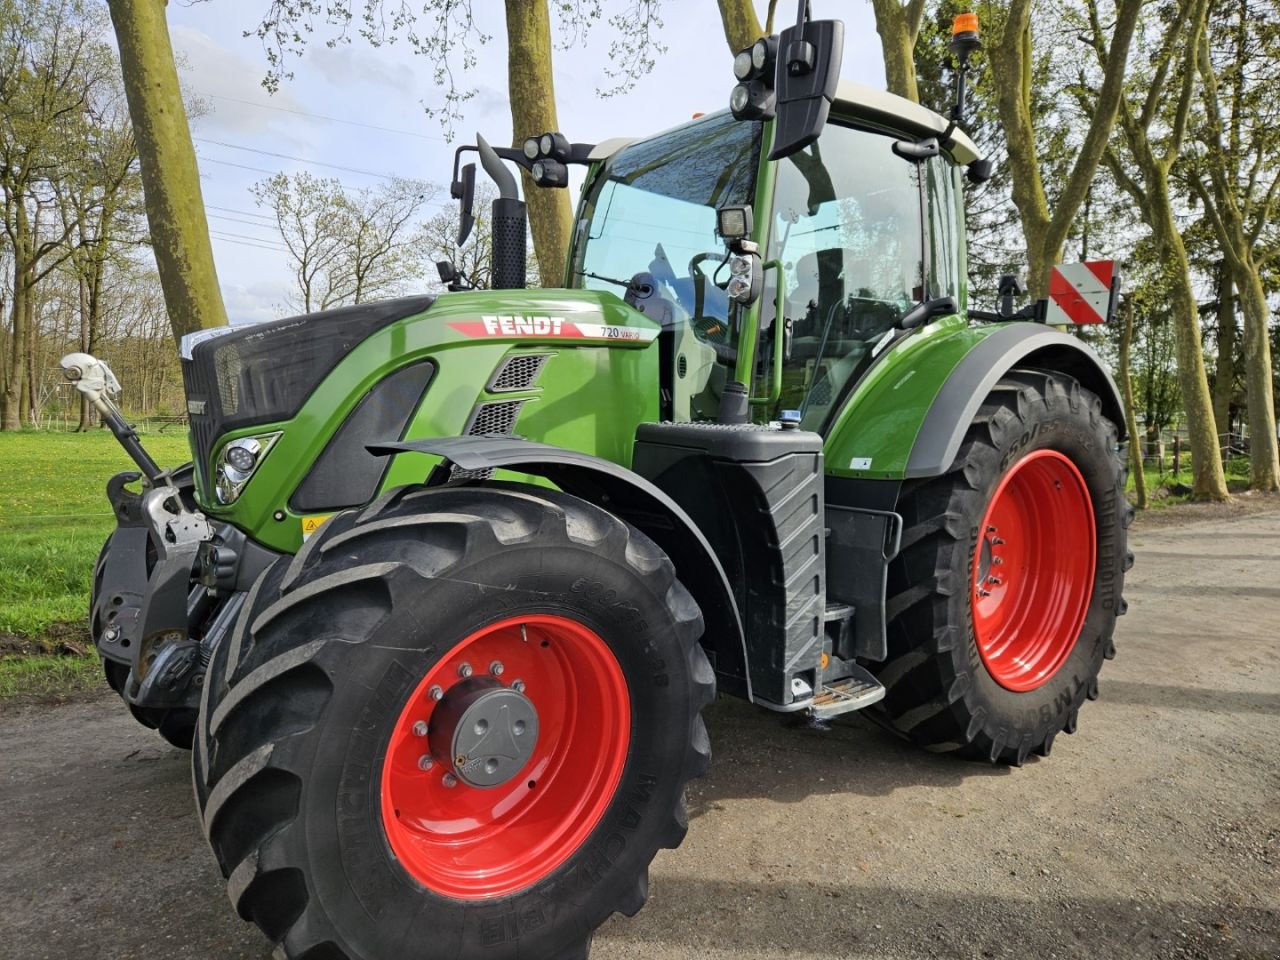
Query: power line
[[258, 242], [286, 156], [241, 213], [247, 223], [321, 116], [228, 163]]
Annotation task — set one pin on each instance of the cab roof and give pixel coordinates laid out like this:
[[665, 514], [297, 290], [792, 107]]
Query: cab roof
[[856, 101]]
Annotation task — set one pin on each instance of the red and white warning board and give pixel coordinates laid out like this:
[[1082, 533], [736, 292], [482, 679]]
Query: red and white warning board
[[1082, 292]]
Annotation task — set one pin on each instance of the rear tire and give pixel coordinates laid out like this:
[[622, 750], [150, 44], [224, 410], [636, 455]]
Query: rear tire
[[994, 645], [325, 802]]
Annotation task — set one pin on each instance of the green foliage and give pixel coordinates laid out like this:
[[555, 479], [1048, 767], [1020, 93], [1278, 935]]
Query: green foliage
[[54, 518]]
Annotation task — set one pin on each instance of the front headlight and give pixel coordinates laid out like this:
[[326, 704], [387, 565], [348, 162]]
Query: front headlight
[[237, 463]]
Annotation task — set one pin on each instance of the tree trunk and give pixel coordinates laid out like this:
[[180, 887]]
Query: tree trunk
[[15, 362], [1264, 469], [898, 27], [1208, 481], [1130, 415], [741, 25], [83, 284], [1225, 374], [170, 179], [1012, 59], [533, 112]]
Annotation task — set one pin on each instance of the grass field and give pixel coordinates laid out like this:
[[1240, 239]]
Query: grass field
[[53, 519]]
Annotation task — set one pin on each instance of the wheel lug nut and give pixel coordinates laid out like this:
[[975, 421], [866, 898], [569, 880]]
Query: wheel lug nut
[[991, 529], [464, 670], [449, 780], [996, 561], [983, 593], [496, 668], [435, 693], [997, 541], [425, 762], [517, 686], [994, 580], [420, 728]]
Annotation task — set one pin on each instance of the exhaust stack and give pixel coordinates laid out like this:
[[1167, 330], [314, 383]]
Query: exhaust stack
[[510, 223]]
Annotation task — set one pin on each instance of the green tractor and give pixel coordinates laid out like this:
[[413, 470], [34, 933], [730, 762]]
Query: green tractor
[[442, 595]]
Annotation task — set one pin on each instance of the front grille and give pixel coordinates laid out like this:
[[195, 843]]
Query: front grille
[[518, 373], [203, 423], [498, 418], [264, 373]]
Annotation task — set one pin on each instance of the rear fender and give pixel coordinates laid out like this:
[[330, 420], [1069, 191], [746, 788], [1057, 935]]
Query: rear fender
[[909, 416], [628, 496]]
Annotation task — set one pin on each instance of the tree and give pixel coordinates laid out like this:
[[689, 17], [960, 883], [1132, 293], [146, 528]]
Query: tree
[[1130, 418], [1154, 128], [101, 207], [898, 24], [47, 58], [436, 239], [741, 25], [1237, 182], [175, 206], [530, 85], [1009, 52], [346, 246], [449, 40]]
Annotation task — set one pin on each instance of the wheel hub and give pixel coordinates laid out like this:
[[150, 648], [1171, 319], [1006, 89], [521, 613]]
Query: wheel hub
[[484, 732]]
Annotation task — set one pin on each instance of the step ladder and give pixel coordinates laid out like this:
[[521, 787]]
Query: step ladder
[[844, 696]]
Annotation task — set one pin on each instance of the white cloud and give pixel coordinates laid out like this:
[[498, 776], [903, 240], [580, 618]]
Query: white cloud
[[342, 66], [229, 84]]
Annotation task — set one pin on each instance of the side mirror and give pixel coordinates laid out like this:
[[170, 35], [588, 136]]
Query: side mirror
[[465, 190], [808, 70]]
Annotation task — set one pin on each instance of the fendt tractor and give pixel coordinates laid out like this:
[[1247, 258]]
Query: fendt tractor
[[441, 597]]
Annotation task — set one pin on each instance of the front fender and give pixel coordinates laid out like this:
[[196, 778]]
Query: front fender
[[909, 416], [630, 497]]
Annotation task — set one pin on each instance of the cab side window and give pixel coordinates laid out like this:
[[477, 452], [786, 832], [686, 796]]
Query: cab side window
[[849, 229]]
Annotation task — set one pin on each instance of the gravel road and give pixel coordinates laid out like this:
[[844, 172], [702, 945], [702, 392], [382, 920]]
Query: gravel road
[[1153, 832]]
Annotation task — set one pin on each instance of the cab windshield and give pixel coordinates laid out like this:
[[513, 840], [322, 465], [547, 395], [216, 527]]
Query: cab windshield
[[648, 232]]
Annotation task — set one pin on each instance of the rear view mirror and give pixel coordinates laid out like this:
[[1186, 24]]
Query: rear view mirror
[[808, 70], [465, 191]]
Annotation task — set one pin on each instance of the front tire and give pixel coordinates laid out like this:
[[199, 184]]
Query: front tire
[[348, 765], [1004, 597]]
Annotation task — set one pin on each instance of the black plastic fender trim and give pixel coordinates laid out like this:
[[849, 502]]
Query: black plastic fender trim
[[618, 490], [1026, 344]]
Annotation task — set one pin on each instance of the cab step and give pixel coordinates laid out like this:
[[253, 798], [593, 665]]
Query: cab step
[[844, 696]]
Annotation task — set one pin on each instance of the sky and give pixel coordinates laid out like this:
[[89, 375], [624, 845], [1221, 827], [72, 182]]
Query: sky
[[356, 113]]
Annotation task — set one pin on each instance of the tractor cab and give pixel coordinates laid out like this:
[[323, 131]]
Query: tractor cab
[[856, 233]]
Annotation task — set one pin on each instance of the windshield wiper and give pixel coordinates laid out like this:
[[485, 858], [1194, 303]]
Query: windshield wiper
[[631, 286]]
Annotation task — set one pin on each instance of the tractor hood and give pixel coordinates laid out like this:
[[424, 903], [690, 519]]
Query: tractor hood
[[243, 376]]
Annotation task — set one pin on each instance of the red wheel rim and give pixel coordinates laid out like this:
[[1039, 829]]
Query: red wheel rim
[[475, 843], [1033, 570]]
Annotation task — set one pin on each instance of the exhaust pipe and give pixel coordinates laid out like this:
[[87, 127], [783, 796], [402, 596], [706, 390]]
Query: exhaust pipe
[[510, 223]]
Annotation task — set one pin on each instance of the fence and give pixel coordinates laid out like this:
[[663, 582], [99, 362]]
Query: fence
[[1171, 450]]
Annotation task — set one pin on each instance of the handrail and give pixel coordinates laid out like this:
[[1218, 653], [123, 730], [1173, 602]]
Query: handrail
[[779, 339]]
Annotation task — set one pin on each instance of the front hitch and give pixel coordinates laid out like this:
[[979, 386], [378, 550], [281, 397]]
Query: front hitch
[[144, 601]]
